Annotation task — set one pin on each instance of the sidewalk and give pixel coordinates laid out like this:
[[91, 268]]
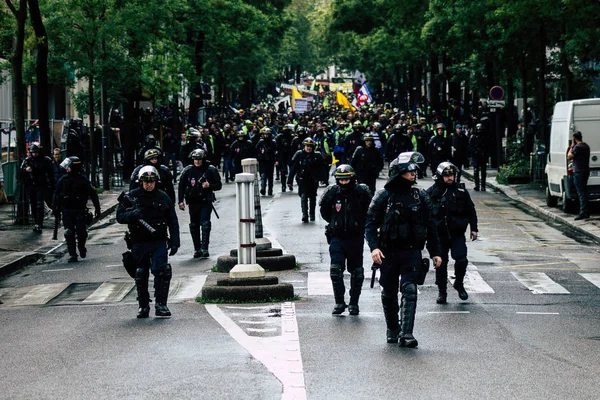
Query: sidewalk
[[21, 246], [532, 197]]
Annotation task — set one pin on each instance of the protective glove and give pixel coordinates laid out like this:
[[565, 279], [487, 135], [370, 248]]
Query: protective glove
[[97, 213], [290, 187], [173, 250]]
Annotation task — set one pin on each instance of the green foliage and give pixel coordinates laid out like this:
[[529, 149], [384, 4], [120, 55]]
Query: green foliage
[[517, 166]]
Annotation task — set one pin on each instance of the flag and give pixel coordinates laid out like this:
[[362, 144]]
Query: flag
[[312, 85], [343, 101], [295, 95], [326, 102], [234, 110], [363, 97], [321, 90]]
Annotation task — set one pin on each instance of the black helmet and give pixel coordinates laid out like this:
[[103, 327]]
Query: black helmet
[[35, 146], [368, 136], [344, 171], [405, 162], [148, 174], [241, 135], [398, 128], [301, 130], [151, 153], [197, 154], [192, 132], [308, 142], [150, 141], [71, 162], [265, 132], [446, 168]]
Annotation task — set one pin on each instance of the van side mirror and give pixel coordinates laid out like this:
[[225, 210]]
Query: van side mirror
[[549, 157]]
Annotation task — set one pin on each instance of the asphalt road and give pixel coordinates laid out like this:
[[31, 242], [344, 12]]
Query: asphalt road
[[528, 330]]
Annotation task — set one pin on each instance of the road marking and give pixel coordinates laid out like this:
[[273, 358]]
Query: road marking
[[448, 312], [550, 263], [319, 284], [109, 292], [57, 270], [474, 283], [536, 313], [186, 289], [273, 321], [539, 283], [279, 354], [248, 308], [592, 277], [263, 330], [41, 294], [113, 265]]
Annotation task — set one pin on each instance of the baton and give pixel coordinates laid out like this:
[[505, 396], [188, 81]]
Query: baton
[[374, 268]]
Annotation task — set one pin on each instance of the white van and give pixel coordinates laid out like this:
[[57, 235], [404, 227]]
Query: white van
[[569, 116]]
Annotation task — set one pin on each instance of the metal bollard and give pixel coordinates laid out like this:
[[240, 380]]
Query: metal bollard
[[250, 165], [246, 266]]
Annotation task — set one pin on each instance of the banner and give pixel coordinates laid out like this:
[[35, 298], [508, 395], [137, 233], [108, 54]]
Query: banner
[[303, 105], [295, 95], [343, 101], [363, 97]]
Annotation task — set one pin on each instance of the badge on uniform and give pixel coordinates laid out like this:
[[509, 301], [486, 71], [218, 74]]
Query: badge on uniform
[[193, 182], [338, 206]]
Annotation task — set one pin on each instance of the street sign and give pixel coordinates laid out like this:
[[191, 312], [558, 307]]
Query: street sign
[[496, 103], [496, 93]]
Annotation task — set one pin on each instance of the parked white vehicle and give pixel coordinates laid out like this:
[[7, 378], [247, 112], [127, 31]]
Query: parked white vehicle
[[570, 116]]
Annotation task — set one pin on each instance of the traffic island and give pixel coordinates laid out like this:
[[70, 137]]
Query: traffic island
[[240, 290]]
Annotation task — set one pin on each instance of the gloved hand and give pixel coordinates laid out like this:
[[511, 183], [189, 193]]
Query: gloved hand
[[173, 250], [97, 213], [290, 187]]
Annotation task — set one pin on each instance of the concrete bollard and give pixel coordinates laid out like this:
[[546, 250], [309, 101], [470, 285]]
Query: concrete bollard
[[246, 266], [250, 166]]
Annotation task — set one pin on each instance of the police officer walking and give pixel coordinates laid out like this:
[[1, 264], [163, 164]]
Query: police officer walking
[[367, 161], [149, 246], [308, 168], [39, 180], [478, 151], [453, 211], [283, 153], [197, 185], [70, 198], [344, 206], [265, 155], [165, 182], [397, 227]]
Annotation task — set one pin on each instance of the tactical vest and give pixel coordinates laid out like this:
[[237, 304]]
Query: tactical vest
[[75, 192], [154, 210], [194, 193], [404, 224], [345, 215]]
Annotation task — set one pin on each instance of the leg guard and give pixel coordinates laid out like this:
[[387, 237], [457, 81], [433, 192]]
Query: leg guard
[[304, 205], [71, 246], [409, 308], [313, 205], [336, 272], [162, 282], [356, 281], [460, 270], [195, 233], [141, 284], [206, 227], [263, 183], [81, 240], [441, 280], [389, 302]]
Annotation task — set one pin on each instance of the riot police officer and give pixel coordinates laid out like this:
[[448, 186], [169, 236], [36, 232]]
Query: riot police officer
[[453, 211], [149, 143], [367, 161], [308, 168], [439, 148], [165, 182], [352, 141], [240, 149], [197, 185], [193, 141], [150, 240], [344, 206], [283, 153], [265, 155], [70, 198], [478, 151], [397, 227], [38, 174]]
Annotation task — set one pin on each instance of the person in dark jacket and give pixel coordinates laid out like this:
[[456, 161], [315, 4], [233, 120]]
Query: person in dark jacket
[[579, 154], [171, 148], [460, 150], [240, 149], [70, 199], [149, 247], [197, 185], [367, 161], [344, 206], [57, 170], [439, 148], [265, 155], [165, 181], [453, 212], [478, 151], [38, 176], [283, 153], [398, 225], [308, 167]]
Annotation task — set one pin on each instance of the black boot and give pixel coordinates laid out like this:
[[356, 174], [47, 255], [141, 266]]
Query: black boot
[[304, 205], [441, 280], [195, 233], [390, 311], [81, 240], [71, 245], [162, 282], [312, 207], [141, 284], [460, 270], [336, 272], [357, 278], [206, 227], [409, 308], [442, 296]]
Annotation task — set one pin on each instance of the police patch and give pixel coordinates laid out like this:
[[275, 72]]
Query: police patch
[[338, 206]]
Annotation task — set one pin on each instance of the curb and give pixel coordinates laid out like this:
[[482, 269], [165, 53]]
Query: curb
[[537, 210], [23, 259]]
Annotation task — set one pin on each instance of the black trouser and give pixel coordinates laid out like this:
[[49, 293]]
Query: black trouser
[[200, 219], [369, 180], [307, 190], [580, 179], [266, 168], [347, 253], [75, 230], [457, 248], [479, 170], [36, 200]]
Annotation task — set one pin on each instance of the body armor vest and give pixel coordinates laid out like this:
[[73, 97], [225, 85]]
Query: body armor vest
[[404, 224]]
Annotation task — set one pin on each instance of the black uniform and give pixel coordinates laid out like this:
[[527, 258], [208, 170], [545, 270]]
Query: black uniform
[[345, 207], [367, 162], [283, 154], [70, 198], [401, 213], [165, 183], [186, 149], [309, 169], [351, 142], [439, 149], [453, 211], [240, 149], [199, 201], [265, 154], [40, 186], [478, 151], [460, 151], [150, 249]]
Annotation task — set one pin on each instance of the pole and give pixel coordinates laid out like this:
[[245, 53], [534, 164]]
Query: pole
[[250, 166]]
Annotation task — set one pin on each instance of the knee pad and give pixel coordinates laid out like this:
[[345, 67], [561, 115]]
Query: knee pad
[[387, 298], [336, 272], [358, 274], [141, 274], [69, 234], [193, 226], [206, 225], [409, 291], [166, 273]]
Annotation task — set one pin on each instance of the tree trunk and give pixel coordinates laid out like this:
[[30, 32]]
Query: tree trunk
[[541, 123], [41, 73], [196, 95], [435, 85], [92, 125], [16, 61]]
